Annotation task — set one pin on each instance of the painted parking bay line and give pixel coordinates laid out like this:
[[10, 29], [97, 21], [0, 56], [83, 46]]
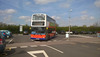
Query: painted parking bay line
[[33, 46], [82, 36], [10, 41], [23, 46], [55, 49], [37, 52], [13, 47], [52, 48], [43, 45]]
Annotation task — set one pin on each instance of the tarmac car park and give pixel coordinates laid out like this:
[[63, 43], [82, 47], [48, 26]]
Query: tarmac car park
[[21, 45]]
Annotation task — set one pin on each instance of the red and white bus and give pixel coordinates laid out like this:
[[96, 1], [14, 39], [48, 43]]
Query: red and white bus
[[43, 27]]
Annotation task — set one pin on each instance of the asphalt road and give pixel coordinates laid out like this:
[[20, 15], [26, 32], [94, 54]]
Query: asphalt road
[[26, 38], [76, 46], [63, 50]]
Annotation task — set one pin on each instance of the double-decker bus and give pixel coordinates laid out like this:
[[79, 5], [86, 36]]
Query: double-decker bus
[[43, 27]]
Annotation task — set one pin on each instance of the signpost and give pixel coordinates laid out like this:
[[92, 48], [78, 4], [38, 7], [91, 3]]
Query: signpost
[[21, 28]]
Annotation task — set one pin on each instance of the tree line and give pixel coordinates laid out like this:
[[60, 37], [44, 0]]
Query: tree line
[[15, 28], [79, 28]]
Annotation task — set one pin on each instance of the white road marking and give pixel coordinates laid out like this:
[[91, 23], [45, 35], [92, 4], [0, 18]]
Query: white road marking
[[33, 46], [10, 41], [37, 52], [13, 47], [43, 45], [82, 36], [54, 49], [23, 46]]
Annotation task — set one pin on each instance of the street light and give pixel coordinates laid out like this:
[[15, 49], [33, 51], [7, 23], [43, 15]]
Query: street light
[[69, 19], [68, 34]]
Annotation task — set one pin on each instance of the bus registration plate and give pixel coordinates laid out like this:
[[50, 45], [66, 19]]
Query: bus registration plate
[[37, 38]]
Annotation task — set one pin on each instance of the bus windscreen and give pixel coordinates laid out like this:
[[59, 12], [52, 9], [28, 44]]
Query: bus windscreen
[[39, 29]]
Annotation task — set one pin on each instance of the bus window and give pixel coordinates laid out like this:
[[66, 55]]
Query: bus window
[[37, 23], [51, 30], [38, 17]]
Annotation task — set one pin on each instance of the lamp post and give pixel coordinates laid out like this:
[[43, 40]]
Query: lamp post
[[69, 19]]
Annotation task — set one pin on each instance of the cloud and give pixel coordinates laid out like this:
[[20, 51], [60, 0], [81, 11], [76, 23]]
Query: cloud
[[26, 18], [92, 17], [97, 3], [7, 11], [86, 17], [23, 17], [65, 5], [62, 22], [7, 19], [45, 9], [44, 1], [6, 15], [28, 3], [56, 17], [84, 12], [11, 23], [78, 21]]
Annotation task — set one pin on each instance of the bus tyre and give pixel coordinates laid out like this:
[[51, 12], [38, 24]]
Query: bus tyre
[[47, 38]]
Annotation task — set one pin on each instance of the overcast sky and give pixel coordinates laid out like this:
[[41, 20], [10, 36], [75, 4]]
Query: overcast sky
[[84, 12]]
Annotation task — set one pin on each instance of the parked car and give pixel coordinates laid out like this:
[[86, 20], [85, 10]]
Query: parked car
[[94, 32], [83, 32], [4, 34], [25, 33], [75, 32], [62, 32], [89, 32], [8, 33], [2, 43]]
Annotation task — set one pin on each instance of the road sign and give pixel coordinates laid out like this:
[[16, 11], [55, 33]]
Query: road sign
[[21, 28], [37, 52]]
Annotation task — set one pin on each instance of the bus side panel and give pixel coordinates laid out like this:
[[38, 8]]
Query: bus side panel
[[52, 35]]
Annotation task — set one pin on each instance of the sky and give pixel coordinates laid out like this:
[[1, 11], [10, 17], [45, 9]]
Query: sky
[[81, 12]]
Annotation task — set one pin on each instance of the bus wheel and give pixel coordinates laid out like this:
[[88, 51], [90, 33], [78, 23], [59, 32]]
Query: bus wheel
[[47, 38]]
